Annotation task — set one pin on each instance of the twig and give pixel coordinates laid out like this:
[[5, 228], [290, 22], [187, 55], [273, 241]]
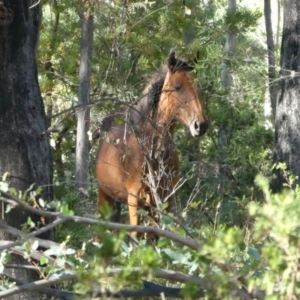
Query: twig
[[35, 4], [43, 243], [26, 267], [110, 225], [150, 289], [37, 255], [78, 107], [36, 285], [32, 234], [18, 233]]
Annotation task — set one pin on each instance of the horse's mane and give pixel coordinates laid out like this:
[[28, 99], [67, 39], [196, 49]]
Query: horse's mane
[[150, 96]]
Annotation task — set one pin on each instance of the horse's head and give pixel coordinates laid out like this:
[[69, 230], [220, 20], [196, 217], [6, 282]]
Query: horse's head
[[181, 99]]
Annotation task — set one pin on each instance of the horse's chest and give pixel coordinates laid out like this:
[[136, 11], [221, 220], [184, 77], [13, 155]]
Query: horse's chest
[[162, 166]]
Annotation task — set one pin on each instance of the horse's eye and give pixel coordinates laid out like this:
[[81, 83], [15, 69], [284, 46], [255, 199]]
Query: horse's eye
[[177, 87]]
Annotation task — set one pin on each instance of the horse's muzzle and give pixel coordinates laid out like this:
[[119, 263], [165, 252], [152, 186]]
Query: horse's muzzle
[[198, 128]]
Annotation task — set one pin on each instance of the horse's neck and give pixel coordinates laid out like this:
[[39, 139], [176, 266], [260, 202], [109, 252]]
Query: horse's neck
[[158, 121], [165, 116]]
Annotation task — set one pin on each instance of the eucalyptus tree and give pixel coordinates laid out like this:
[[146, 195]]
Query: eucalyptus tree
[[287, 122], [271, 55], [226, 75], [83, 114], [25, 155]]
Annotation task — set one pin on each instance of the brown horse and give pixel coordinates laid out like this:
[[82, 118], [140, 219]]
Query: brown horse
[[138, 159]]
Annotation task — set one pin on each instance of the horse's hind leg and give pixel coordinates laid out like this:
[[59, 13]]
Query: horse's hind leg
[[116, 216]]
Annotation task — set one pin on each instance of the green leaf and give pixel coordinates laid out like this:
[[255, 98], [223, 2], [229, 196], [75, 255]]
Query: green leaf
[[42, 203], [118, 121], [8, 209], [61, 261], [35, 245], [30, 222], [127, 249], [55, 205], [172, 254], [56, 251], [43, 260], [142, 212], [167, 220], [3, 260], [38, 191], [253, 252], [70, 251], [164, 206], [5, 176], [4, 186], [163, 242], [13, 191], [65, 210]]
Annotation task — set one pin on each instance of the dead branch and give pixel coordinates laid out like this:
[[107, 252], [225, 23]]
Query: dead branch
[[15, 201], [35, 254], [150, 289], [18, 233], [32, 234], [36, 285]]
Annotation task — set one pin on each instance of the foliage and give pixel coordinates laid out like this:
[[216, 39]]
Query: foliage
[[248, 236], [276, 230], [263, 257]]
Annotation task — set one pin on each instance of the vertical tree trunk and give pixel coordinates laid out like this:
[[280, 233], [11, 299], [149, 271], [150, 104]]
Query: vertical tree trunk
[[24, 148], [278, 33], [226, 74], [229, 48], [287, 120], [271, 56], [83, 115]]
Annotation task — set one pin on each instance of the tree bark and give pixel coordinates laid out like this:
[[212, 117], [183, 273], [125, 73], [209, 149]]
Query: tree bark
[[278, 33], [225, 72], [287, 120], [24, 148], [229, 48], [271, 56], [83, 115]]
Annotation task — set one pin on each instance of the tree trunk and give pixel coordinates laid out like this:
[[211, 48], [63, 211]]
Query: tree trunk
[[287, 120], [226, 74], [24, 148], [83, 115], [278, 33], [271, 56], [229, 48]]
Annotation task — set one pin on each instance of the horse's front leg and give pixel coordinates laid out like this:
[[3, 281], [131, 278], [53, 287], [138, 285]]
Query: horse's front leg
[[133, 201]]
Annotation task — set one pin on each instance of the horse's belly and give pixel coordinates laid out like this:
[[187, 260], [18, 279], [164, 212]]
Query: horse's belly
[[114, 171]]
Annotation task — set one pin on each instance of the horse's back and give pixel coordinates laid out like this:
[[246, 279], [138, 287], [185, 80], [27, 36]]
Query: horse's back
[[119, 162]]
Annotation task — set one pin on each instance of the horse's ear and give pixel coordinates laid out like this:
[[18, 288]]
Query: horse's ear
[[172, 61]]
